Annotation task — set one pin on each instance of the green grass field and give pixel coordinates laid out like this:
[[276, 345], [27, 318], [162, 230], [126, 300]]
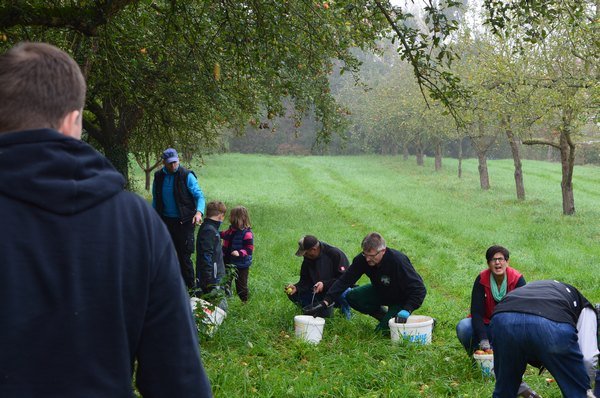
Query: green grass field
[[444, 224]]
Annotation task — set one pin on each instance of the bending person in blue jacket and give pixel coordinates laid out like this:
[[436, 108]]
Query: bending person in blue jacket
[[544, 323]]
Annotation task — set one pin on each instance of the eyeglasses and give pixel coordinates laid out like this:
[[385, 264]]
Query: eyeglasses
[[497, 260], [365, 255]]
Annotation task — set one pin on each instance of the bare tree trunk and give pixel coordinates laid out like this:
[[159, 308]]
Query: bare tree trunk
[[514, 147], [420, 161], [566, 146], [117, 153], [114, 143], [482, 145], [147, 182], [484, 178], [567, 160], [405, 151], [438, 156], [419, 152], [460, 157], [112, 131], [146, 166], [393, 147], [187, 155]]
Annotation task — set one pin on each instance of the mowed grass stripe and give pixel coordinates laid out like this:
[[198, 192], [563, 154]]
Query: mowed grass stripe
[[405, 229], [413, 223]]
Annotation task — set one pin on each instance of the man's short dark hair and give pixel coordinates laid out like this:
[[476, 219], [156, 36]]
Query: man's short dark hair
[[489, 254], [39, 85]]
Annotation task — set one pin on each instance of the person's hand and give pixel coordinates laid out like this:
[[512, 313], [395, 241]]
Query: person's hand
[[316, 308], [402, 316], [235, 253], [290, 289], [197, 220], [484, 345], [344, 306], [318, 287]]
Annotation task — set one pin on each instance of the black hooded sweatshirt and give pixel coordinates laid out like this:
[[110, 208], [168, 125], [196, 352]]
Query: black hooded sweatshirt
[[90, 281]]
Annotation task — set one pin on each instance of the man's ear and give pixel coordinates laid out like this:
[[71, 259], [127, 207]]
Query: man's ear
[[71, 125]]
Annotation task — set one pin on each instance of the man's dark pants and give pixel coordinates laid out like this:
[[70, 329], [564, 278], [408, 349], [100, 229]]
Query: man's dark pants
[[183, 239], [366, 300], [521, 338]]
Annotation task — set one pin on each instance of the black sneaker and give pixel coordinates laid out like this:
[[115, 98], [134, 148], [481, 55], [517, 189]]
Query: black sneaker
[[529, 393]]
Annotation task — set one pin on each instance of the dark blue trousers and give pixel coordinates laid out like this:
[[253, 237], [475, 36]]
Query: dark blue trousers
[[520, 338]]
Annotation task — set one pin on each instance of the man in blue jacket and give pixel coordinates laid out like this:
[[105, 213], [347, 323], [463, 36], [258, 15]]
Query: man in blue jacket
[[90, 288], [178, 199]]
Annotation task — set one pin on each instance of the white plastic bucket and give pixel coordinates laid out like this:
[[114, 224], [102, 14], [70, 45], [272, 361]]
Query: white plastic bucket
[[486, 364], [417, 329], [309, 328], [215, 315]]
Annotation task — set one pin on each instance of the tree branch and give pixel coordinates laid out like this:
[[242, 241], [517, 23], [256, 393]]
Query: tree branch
[[92, 130], [421, 80], [539, 141], [85, 20]]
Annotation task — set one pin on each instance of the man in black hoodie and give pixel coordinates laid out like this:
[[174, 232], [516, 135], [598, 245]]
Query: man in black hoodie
[[90, 287]]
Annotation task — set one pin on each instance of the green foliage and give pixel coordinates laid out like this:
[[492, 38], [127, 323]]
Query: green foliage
[[180, 73], [177, 71], [442, 223], [424, 43], [534, 21]]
